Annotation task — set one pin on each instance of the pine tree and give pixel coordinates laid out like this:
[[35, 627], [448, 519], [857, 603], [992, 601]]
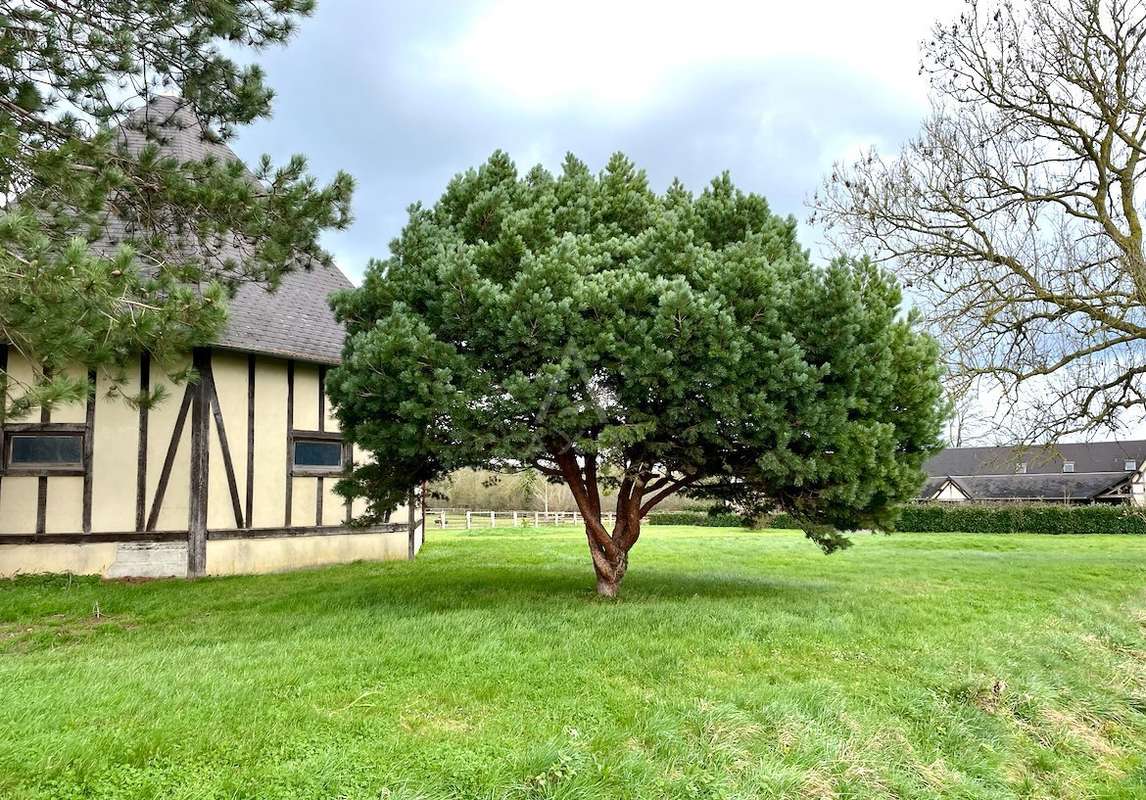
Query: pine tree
[[607, 336], [71, 71]]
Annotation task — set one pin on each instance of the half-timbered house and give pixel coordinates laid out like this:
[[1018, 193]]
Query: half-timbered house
[[232, 473]]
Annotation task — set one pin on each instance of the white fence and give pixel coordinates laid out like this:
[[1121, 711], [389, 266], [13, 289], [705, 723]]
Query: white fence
[[457, 518]]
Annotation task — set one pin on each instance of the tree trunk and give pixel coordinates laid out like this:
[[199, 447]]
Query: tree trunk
[[610, 572], [607, 587], [610, 551]]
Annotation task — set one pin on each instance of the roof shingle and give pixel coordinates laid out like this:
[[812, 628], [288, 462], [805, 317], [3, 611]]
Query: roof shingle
[[1040, 459], [295, 320], [991, 473]]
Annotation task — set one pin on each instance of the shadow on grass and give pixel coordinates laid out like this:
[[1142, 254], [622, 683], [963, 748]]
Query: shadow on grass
[[437, 583], [544, 588]]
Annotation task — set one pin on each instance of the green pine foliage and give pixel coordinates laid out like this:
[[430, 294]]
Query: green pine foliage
[[70, 72], [587, 327]]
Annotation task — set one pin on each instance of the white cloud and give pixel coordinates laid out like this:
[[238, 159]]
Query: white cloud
[[622, 56]]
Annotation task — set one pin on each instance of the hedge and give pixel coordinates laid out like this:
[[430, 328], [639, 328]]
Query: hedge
[[958, 518], [1021, 518], [710, 520]]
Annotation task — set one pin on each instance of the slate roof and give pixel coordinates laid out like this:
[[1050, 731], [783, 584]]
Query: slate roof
[[1039, 487], [1042, 459], [989, 473], [295, 320]]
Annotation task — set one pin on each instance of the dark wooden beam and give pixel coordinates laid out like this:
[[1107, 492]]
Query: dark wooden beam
[[322, 398], [89, 450], [320, 489], [330, 436], [290, 443], [3, 407], [169, 459], [200, 465], [42, 485], [327, 530], [141, 453], [93, 538], [48, 427], [412, 529], [348, 460], [250, 515], [222, 534]]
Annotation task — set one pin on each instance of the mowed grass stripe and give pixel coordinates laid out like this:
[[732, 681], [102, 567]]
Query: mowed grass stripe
[[736, 664]]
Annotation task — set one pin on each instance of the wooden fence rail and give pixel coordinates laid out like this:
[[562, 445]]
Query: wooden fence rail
[[456, 518]]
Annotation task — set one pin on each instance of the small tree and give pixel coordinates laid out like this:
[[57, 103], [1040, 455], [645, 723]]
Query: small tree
[[590, 329], [187, 231], [1014, 215]]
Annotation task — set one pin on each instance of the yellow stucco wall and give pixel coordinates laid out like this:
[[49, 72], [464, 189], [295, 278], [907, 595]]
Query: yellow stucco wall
[[18, 505], [333, 506], [270, 442], [253, 556], [78, 559], [115, 456], [303, 501], [64, 512], [305, 397]]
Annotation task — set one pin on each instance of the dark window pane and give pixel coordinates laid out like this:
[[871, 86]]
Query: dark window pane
[[46, 449], [318, 454]]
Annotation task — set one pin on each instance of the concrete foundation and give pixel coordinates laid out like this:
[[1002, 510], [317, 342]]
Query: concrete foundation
[[233, 555]]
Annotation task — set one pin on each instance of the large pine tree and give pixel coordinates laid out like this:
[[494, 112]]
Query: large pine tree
[[71, 72], [586, 327]]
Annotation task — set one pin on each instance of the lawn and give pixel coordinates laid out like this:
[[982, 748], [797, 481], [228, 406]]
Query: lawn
[[737, 665]]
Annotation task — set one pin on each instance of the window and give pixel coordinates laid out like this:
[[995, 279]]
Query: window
[[44, 451], [317, 455], [1068, 466], [1021, 469], [1130, 465]]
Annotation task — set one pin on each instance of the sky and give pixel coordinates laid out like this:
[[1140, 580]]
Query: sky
[[404, 95]]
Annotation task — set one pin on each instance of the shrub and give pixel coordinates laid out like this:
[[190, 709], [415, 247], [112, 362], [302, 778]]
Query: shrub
[[1021, 518], [707, 519], [716, 517], [955, 518]]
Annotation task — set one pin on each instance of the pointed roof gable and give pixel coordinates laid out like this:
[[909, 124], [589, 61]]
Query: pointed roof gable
[[295, 320]]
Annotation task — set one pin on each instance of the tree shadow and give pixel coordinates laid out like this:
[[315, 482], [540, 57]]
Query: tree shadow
[[548, 588]]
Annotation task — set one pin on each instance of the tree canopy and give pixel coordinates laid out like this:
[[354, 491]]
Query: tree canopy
[[70, 73], [1014, 214], [605, 335]]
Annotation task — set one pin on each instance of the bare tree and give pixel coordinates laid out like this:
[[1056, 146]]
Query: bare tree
[[1013, 216], [968, 424]]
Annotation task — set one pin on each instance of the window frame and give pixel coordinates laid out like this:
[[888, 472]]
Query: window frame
[[326, 437], [1021, 469], [1130, 465], [72, 430], [1068, 467]]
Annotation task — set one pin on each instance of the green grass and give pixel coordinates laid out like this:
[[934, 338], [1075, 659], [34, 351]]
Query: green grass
[[737, 665]]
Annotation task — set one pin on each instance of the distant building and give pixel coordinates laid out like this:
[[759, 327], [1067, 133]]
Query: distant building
[[1093, 472]]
